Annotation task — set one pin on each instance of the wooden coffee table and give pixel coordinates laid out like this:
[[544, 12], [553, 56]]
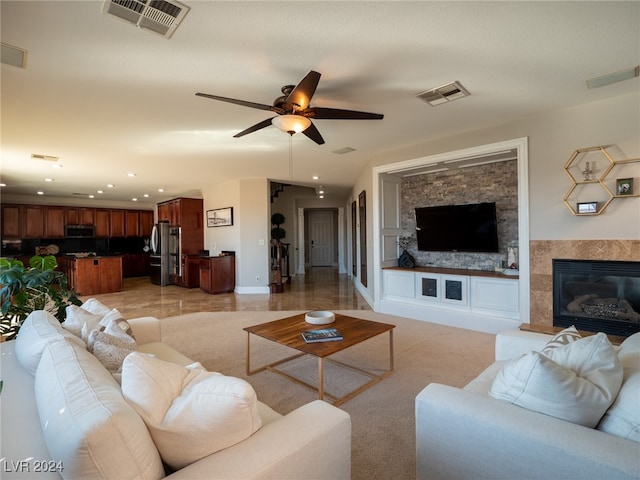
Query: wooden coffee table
[[287, 332]]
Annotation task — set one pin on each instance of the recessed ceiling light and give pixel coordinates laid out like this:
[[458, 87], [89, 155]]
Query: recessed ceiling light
[[321, 196], [146, 195], [48, 179], [315, 177], [91, 196], [56, 165], [40, 193], [3, 184], [134, 199], [131, 174], [100, 191], [110, 185], [321, 192], [161, 189]]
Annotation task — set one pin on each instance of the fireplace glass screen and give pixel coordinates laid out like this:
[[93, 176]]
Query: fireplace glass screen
[[597, 295]]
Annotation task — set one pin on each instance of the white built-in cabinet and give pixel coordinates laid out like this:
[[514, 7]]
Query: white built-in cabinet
[[470, 299]]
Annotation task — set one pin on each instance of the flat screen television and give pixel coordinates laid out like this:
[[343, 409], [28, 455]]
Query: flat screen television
[[457, 228]]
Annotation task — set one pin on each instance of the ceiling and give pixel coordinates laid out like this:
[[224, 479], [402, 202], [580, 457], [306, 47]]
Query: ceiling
[[109, 99]]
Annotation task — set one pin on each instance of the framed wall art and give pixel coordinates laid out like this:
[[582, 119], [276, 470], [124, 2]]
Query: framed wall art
[[624, 186], [220, 217]]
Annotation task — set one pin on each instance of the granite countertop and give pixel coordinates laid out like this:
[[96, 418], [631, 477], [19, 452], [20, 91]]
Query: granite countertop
[[456, 271]]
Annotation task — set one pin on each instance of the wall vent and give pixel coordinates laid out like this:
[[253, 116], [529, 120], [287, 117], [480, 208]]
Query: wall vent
[[445, 93], [14, 56], [159, 16]]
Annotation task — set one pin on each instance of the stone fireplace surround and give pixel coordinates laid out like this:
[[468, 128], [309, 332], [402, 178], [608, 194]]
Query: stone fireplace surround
[[543, 251]]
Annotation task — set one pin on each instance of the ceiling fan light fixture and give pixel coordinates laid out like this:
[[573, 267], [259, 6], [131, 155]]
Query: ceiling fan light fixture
[[291, 123]]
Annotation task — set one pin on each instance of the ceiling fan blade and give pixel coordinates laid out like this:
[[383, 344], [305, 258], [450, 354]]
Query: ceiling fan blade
[[312, 132], [300, 96], [254, 128], [339, 114], [244, 103]]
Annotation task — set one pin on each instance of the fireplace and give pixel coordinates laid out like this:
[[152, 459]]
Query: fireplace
[[597, 295]]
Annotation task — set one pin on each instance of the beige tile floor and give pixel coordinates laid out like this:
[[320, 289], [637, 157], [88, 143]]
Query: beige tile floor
[[321, 288]]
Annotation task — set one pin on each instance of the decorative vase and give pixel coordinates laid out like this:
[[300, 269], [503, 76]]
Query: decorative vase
[[406, 260]]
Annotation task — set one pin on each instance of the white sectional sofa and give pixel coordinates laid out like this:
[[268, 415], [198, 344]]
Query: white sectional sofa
[[466, 433], [64, 415]]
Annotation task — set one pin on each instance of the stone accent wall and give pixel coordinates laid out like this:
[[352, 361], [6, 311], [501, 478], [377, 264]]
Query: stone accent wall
[[543, 251], [494, 182]]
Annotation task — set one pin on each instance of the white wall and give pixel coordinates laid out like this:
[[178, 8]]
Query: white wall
[[249, 235]]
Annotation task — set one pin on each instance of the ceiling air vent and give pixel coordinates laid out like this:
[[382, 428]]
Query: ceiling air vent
[[445, 93], [159, 16]]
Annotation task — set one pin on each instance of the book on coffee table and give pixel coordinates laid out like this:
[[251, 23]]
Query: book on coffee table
[[323, 335]]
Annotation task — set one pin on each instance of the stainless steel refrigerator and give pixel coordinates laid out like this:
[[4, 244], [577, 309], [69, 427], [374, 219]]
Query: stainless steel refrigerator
[[165, 245]]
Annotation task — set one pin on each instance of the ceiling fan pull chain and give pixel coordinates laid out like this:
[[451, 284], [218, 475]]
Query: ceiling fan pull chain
[[290, 156]]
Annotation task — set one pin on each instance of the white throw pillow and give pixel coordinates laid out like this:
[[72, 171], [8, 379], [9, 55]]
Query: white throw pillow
[[112, 342], [87, 328], [565, 337], [623, 418], [38, 329], [77, 317], [576, 382], [95, 306], [86, 423], [190, 412]]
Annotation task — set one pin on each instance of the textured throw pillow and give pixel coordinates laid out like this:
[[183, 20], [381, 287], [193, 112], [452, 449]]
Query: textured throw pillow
[[95, 306], [77, 317], [111, 343], [87, 328], [623, 418], [190, 412], [565, 337], [36, 332], [576, 382]]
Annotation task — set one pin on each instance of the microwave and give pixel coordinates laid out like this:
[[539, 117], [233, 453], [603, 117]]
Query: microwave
[[79, 231]]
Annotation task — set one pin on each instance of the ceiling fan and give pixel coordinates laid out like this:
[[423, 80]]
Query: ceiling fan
[[294, 110]]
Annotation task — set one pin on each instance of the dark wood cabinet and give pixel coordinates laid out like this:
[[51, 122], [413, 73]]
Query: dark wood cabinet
[[135, 265], [103, 223], [163, 212], [54, 222], [146, 223], [33, 221], [95, 275], [11, 221], [131, 223], [190, 271], [117, 225], [188, 213], [80, 216], [218, 274]]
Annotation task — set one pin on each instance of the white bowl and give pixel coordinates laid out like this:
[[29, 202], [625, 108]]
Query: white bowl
[[320, 317]]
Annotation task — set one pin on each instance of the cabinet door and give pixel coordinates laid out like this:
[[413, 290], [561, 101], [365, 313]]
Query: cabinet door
[[54, 222], [174, 213], [80, 216], [11, 221], [205, 275], [110, 274], [132, 223], [117, 223], [33, 221], [146, 223], [103, 223], [163, 212], [87, 276]]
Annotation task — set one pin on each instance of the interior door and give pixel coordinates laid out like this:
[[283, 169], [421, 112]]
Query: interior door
[[362, 200], [321, 238]]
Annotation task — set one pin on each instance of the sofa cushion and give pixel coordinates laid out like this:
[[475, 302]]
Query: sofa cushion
[[38, 329], [93, 305], [576, 382], [86, 423], [623, 417], [190, 412], [111, 343], [76, 317]]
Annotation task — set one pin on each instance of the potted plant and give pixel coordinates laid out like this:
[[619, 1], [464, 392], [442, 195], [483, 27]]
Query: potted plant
[[405, 259], [37, 287]]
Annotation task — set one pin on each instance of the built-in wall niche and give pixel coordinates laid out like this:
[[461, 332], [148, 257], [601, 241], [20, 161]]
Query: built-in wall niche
[[492, 182]]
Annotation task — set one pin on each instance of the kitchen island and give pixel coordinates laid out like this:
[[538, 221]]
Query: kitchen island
[[92, 274]]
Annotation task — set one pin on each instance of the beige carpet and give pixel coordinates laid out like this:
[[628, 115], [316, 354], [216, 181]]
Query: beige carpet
[[383, 424]]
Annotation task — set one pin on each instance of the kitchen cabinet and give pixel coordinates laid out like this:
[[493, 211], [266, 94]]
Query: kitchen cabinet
[[11, 221], [218, 274], [102, 223], [190, 271], [135, 265], [146, 223], [80, 216], [33, 221], [131, 223], [54, 222], [117, 223], [188, 213], [95, 275]]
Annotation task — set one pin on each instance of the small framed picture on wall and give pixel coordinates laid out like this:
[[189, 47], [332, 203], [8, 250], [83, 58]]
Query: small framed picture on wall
[[624, 186], [588, 207], [220, 217]]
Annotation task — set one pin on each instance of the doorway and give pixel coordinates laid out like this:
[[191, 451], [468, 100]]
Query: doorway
[[322, 237]]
